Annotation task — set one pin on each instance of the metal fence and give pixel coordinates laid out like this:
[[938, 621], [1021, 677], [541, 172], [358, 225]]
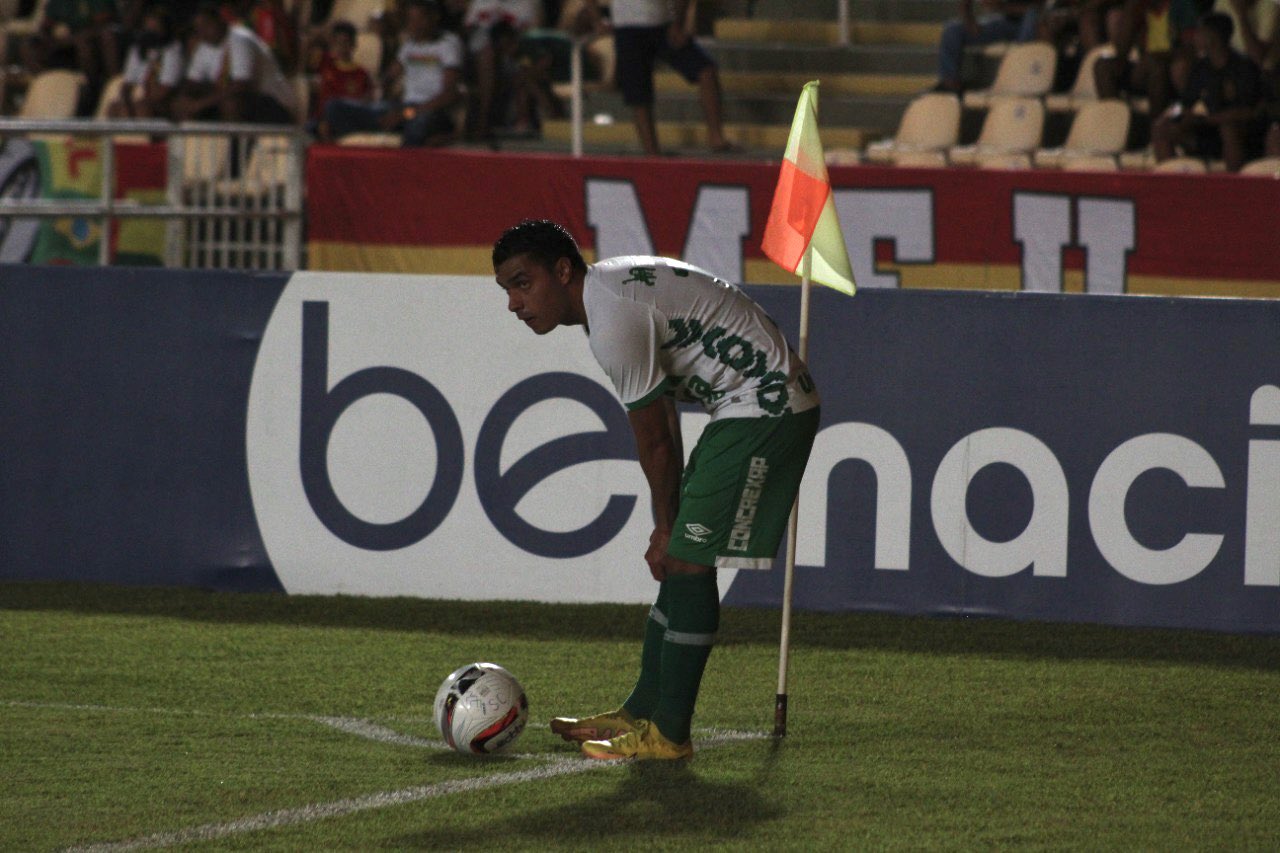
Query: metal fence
[[234, 192]]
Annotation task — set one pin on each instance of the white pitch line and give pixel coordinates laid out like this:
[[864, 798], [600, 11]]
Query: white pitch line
[[383, 799], [375, 732]]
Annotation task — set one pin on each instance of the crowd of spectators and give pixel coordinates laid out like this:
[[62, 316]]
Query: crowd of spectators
[[1208, 76], [446, 68]]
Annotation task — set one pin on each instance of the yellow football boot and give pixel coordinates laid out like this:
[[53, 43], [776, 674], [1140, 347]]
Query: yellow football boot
[[643, 742], [599, 727]]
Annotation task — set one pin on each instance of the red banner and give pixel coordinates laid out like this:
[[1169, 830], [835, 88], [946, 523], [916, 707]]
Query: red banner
[[439, 212]]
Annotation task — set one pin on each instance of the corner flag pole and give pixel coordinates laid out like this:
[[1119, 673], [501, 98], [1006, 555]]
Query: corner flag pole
[[793, 529]]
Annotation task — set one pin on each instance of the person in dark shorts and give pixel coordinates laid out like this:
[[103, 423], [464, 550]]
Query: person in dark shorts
[[1216, 116], [645, 31]]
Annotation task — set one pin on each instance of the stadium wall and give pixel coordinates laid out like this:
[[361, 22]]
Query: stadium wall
[[380, 210], [1108, 459]]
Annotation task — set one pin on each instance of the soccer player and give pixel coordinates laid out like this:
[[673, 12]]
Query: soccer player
[[664, 330]]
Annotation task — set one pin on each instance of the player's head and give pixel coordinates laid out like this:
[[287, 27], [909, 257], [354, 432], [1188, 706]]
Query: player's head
[[543, 240], [208, 23], [421, 19], [342, 39], [1215, 31], [539, 266]]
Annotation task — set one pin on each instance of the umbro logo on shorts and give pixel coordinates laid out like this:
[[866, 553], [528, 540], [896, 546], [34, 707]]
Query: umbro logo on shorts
[[696, 532]]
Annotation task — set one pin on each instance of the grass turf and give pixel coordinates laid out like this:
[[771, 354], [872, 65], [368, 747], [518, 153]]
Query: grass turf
[[128, 712]]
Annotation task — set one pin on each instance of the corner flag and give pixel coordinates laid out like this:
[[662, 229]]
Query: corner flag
[[803, 217], [803, 236]]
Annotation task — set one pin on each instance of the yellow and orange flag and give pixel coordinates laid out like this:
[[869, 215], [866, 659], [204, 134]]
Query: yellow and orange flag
[[803, 217]]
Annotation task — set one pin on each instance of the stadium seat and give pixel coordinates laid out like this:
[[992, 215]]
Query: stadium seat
[[1099, 128], [371, 140], [1090, 163], [1026, 70], [1268, 167], [53, 95], [921, 159], [1012, 126], [1085, 89], [930, 124], [18, 28], [110, 92], [1005, 160], [1182, 165]]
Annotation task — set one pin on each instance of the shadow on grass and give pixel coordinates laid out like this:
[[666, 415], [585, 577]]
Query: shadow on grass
[[657, 803], [534, 621]]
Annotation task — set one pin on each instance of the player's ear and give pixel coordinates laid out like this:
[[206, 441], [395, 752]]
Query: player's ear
[[563, 270]]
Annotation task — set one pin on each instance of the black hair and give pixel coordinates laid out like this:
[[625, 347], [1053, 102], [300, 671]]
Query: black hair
[[543, 240], [1219, 23], [425, 5], [343, 27]]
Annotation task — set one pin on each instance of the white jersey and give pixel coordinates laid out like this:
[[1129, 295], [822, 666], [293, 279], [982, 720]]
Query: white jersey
[[659, 326], [242, 57], [162, 64], [425, 63]]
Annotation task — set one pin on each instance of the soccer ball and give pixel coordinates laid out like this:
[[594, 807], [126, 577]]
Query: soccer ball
[[481, 709]]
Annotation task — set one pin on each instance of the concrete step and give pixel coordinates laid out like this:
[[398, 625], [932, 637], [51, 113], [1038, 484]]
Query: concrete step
[[799, 31], [875, 114], [757, 139], [859, 10], [738, 84], [822, 59]]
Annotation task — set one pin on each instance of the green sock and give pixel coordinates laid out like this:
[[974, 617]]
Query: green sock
[[644, 696], [693, 616]]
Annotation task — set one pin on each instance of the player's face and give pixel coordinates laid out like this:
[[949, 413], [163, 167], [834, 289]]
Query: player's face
[[536, 295]]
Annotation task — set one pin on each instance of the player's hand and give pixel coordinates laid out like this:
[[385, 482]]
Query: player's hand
[[656, 555]]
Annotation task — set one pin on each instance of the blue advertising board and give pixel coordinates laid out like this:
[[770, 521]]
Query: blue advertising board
[[1057, 457]]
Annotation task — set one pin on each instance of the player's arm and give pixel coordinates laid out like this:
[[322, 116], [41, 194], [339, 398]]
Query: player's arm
[[657, 431]]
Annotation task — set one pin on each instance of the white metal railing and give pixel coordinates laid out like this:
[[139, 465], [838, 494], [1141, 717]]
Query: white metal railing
[[233, 191]]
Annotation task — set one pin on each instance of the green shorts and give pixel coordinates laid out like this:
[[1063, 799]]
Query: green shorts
[[738, 488]]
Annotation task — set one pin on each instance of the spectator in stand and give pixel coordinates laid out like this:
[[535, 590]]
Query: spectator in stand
[[429, 65], [232, 76], [1163, 31], [152, 69], [341, 77], [645, 31], [1073, 27], [1217, 115], [1008, 20], [270, 20], [79, 34], [492, 61]]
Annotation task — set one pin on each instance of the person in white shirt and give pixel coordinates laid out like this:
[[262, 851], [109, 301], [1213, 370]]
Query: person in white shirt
[[233, 76], [429, 65], [152, 69]]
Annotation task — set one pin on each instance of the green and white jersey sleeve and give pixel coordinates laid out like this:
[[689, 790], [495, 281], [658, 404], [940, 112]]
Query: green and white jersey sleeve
[[660, 326]]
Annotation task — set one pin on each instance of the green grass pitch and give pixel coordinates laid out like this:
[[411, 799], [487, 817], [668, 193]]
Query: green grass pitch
[[227, 722]]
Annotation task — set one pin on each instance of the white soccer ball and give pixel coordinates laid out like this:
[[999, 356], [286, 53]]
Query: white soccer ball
[[481, 708]]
